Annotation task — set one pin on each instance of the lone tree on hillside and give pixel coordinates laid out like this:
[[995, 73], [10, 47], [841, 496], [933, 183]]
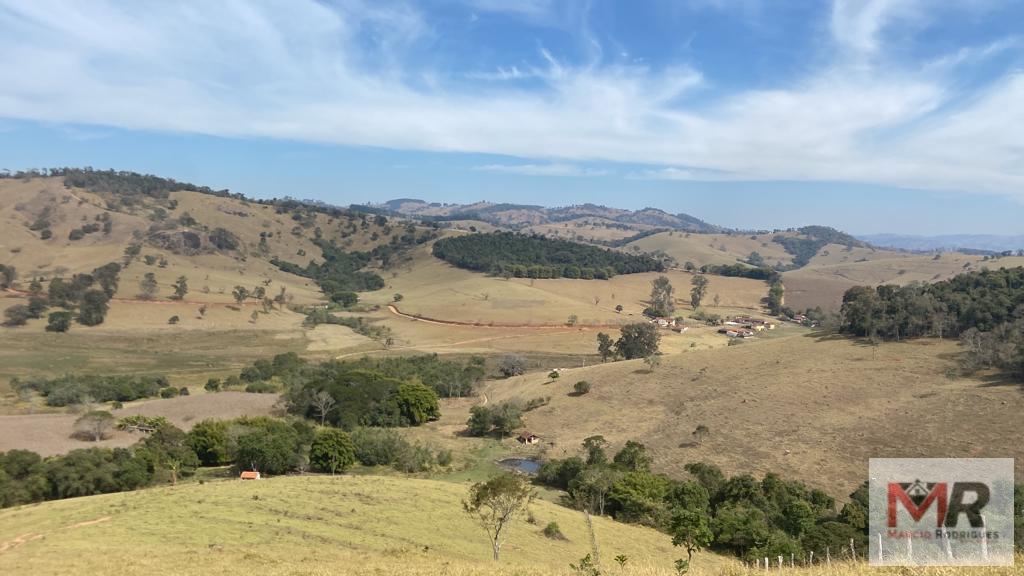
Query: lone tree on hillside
[[240, 293], [662, 299], [638, 341], [180, 288], [690, 529], [496, 503], [323, 403], [148, 286], [95, 424], [699, 290], [605, 346]]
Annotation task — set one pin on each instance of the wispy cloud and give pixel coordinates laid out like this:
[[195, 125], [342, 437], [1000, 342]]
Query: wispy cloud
[[543, 169], [351, 72]]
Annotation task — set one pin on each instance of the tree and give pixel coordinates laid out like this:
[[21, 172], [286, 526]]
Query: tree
[[180, 288], [633, 457], [58, 321], [417, 403], [605, 346], [332, 451], [699, 290], [8, 274], [96, 424], [582, 387], [240, 293], [512, 365], [148, 286], [638, 341], [662, 299], [690, 529], [169, 448], [17, 315], [700, 433], [507, 417], [594, 446], [652, 361], [93, 308], [481, 421], [572, 320], [776, 298], [496, 503], [323, 403], [210, 440]]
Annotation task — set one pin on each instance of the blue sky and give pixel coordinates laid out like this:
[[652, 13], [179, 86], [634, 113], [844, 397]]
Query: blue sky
[[872, 115]]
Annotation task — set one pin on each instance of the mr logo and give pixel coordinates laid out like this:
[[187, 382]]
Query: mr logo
[[917, 497]]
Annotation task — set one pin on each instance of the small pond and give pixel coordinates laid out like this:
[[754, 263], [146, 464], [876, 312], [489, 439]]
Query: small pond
[[524, 465]]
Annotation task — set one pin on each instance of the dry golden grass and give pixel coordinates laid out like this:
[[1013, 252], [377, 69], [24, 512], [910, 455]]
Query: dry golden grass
[[829, 274], [807, 409], [308, 525], [48, 434], [704, 249], [434, 289]]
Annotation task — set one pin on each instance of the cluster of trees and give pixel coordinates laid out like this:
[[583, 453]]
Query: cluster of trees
[[742, 271], [73, 389], [161, 457], [639, 340], [982, 300], [814, 238], [500, 419], [89, 294], [368, 392], [340, 271], [125, 184], [740, 515], [530, 256]]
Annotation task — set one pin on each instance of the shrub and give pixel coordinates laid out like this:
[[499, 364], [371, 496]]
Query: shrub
[[173, 320], [553, 531], [58, 322], [332, 451], [512, 365], [17, 315], [212, 385], [169, 392], [582, 387], [183, 391]]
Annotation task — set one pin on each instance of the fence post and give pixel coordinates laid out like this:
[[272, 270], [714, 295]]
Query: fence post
[[765, 563], [881, 557], [853, 551], [780, 562], [828, 556]]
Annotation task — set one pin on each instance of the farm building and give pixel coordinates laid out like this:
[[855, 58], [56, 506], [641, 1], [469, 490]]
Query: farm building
[[249, 475], [528, 438], [736, 332]]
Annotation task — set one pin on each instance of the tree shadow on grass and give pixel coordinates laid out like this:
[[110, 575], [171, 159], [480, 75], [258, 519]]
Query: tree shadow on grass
[[1000, 380]]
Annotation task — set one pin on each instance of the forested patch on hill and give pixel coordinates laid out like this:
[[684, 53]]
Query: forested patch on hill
[[814, 238], [339, 272], [985, 309], [522, 256]]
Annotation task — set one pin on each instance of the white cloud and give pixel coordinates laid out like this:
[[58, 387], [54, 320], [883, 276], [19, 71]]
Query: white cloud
[[338, 73], [542, 169]]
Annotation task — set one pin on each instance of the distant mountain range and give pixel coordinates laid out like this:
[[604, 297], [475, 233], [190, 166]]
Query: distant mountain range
[[949, 242], [521, 215]]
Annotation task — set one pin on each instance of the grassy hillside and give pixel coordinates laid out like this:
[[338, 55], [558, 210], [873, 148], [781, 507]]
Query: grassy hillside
[[806, 408], [834, 270], [703, 249], [308, 525]]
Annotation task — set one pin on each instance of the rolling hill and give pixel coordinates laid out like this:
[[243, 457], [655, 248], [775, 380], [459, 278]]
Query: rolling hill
[[309, 525]]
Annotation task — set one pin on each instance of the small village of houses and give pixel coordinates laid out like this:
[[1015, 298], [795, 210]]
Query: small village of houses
[[737, 327]]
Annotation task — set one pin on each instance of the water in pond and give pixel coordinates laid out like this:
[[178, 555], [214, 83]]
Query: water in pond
[[524, 465]]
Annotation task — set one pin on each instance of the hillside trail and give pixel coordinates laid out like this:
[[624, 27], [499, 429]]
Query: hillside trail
[[428, 320]]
